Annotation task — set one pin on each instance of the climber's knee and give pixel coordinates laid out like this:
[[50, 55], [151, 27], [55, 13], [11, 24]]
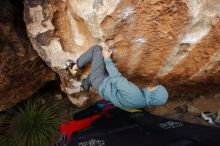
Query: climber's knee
[[96, 48]]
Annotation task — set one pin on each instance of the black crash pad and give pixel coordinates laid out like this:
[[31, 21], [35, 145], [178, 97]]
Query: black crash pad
[[144, 129]]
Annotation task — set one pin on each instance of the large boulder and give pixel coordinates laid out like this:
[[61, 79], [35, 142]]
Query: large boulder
[[174, 42], [22, 72]]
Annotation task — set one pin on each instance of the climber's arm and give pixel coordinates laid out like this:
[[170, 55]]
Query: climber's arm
[[111, 68]]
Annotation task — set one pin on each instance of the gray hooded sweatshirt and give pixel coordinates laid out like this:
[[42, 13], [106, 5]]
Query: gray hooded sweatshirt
[[126, 95]]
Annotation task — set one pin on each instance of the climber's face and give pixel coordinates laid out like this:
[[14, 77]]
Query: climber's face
[[151, 88]]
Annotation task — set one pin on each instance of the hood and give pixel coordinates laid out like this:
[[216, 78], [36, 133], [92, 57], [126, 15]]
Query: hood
[[158, 96]]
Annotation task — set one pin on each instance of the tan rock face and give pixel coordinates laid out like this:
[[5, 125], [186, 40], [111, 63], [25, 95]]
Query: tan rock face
[[22, 72], [174, 42]]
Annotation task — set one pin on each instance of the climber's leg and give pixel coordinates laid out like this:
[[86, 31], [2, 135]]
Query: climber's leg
[[86, 57], [98, 72], [81, 61]]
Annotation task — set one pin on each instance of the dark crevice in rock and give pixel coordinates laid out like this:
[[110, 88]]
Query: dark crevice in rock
[[22, 72]]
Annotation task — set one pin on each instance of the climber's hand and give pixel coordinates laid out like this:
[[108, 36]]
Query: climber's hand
[[106, 53]]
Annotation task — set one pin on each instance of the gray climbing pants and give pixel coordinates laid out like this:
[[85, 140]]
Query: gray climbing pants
[[98, 69]]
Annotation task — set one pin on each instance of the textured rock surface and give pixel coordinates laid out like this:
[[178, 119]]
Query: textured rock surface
[[189, 111], [22, 72], [173, 42]]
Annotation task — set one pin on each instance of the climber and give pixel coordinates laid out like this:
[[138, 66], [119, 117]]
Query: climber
[[111, 85]]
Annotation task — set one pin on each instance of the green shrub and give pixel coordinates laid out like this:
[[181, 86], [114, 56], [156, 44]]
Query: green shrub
[[31, 125]]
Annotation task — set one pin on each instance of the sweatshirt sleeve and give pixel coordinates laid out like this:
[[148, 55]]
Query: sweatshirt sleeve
[[111, 68]]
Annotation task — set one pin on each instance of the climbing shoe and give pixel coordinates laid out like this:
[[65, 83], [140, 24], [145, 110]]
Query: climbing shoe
[[74, 72], [72, 67]]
